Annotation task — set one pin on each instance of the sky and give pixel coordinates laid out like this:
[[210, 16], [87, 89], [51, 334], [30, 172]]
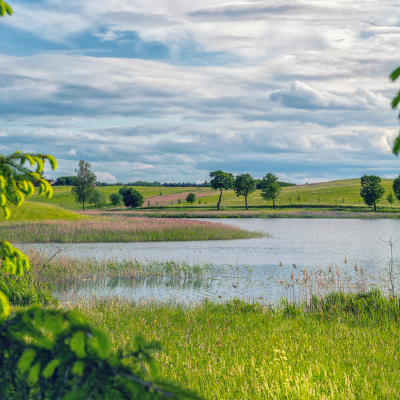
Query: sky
[[169, 90]]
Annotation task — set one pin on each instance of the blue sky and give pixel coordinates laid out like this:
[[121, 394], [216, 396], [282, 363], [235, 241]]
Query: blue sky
[[171, 90]]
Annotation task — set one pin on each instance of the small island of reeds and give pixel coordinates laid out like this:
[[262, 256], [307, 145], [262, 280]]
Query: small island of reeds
[[119, 230]]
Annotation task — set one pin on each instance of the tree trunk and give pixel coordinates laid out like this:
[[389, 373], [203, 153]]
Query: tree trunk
[[219, 201], [273, 202], [375, 207], [245, 197]]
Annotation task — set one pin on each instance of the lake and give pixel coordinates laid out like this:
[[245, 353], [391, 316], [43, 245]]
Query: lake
[[248, 268]]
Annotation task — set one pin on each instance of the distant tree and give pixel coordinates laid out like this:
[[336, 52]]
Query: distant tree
[[244, 185], [191, 198], [396, 187], [390, 198], [83, 183], [371, 190], [65, 181], [270, 187], [131, 197], [115, 199], [98, 199], [221, 180]]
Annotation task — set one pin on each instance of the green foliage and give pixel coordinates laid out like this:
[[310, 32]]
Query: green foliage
[[221, 180], [396, 187], [97, 198], [115, 199], [84, 182], [270, 187], [244, 185], [16, 181], [390, 198], [191, 198], [371, 190], [65, 181], [5, 8], [131, 197], [395, 102], [53, 354]]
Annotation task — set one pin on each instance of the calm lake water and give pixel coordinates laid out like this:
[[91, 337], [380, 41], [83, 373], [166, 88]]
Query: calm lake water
[[250, 268]]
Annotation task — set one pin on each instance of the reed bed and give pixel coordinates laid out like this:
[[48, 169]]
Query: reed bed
[[120, 230], [60, 268]]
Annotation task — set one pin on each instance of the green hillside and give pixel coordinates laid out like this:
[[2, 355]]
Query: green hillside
[[41, 211], [342, 192]]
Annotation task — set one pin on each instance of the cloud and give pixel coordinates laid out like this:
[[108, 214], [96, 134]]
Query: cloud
[[302, 96], [105, 177]]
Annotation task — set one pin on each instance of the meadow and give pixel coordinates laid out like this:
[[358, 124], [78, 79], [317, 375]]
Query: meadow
[[328, 196], [344, 347], [119, 230]]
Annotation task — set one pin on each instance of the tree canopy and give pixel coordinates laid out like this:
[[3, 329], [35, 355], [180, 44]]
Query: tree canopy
[[270, 187], [191, 198], [221, 180], [84, 183], [131, 197], [371, 190], [244, 185]]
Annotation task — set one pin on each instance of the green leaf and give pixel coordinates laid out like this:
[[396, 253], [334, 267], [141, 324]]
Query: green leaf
[[395, 74], [78, 368], [396, 100], [4, 306], [396, 146], [33, 375], [25, 361], [77, 319], [77, 344], [103, 343], [50, 368]]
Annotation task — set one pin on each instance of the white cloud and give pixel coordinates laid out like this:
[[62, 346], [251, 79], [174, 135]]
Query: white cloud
[[105, 177]]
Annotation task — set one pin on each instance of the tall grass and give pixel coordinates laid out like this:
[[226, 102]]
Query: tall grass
[[346, 347], [120, 230]]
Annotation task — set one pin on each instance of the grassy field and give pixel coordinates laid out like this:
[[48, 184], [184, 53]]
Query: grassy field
[[342, 193], [119, 230], [239, 351], [63, 197], [30, 211]]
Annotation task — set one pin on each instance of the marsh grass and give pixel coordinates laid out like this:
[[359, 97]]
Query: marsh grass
[[346, 346], [120, 230]]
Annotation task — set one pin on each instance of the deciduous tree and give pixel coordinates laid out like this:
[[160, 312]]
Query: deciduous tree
[[396, 187], [371, 190], [270, 187], [221, 180], [131, 197], [191, 198], [390, 198], [115, 199], [244, 185], [84, 183]]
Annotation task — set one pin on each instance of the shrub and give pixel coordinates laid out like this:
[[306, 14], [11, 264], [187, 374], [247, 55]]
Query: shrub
[[115, 199]]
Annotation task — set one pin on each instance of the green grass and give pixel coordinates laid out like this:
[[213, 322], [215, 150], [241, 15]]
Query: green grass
[[329, 194], [42, 211], [243, 351], [63, 197], [341, 193]]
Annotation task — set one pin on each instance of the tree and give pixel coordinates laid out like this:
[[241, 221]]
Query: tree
[[371, 190], [131, 197], [98, 198], [270, 187], [221, 180], [115, 199], [390, 199], [65, 181], [244, 185], [396, 187], [191, 198], [84, 183]]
